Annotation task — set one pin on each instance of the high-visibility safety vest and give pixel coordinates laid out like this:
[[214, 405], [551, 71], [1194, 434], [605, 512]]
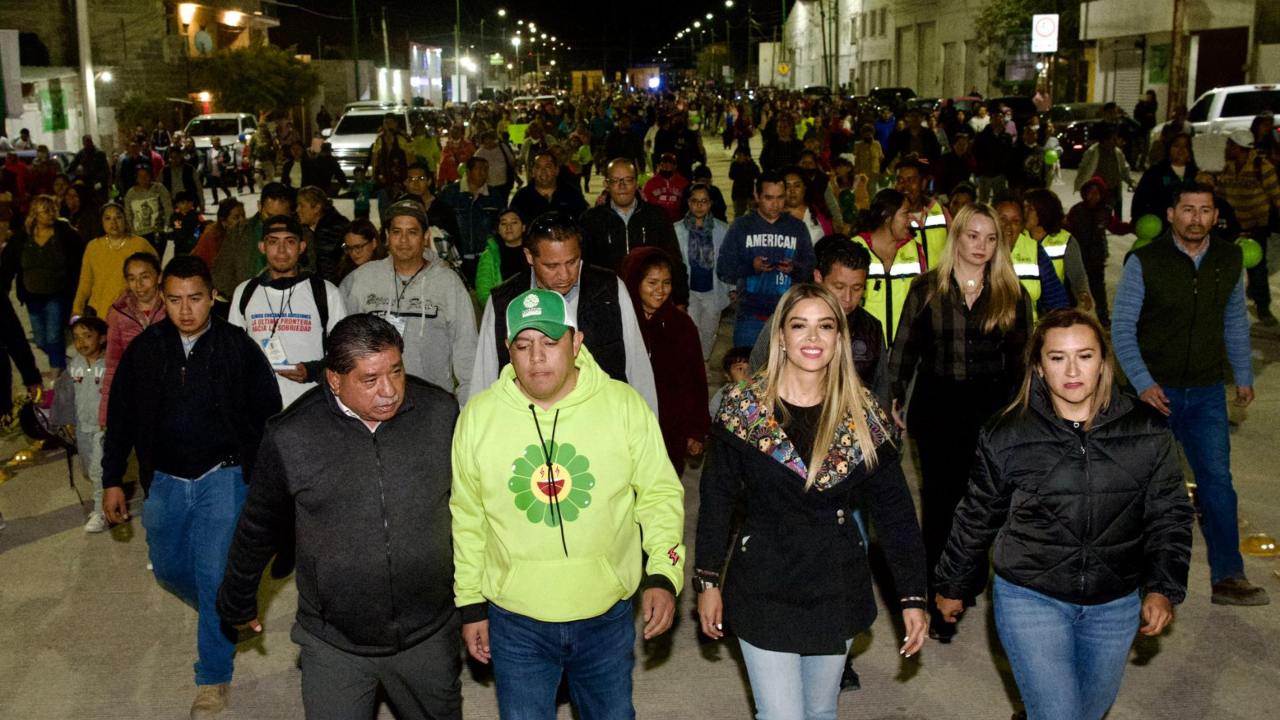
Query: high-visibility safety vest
[[1026, 265], [1055, 246], [887, 287], [933, 235]]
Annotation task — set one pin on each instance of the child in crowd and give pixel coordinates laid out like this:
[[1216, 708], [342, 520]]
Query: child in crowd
[[185, 224], [1088, 221], [77, 396], [361, 190], [743, 172], [737, 367]]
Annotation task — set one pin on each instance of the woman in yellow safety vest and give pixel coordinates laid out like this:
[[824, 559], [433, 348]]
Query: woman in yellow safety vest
[[1042, 218], [1031, 263], [964, 330], [896, 258]]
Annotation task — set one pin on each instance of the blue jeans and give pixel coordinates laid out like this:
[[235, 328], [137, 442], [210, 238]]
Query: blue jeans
[[1198, 419], [746, 329], [49, 318], [596, 654], [189, 526], [1068, 659], [784, 684]]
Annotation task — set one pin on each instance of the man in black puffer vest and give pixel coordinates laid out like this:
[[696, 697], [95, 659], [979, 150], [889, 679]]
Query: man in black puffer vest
[[553, 247], [358, 471], [1179, 318]]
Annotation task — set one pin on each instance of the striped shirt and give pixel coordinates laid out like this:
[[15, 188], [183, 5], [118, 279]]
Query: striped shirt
[[1252, 189]]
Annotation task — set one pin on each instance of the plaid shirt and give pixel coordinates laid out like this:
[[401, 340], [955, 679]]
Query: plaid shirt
[[944, 338], [1252, 189]]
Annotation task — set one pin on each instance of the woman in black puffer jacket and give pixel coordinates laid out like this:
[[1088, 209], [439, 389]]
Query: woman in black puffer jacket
[[1079, 488]]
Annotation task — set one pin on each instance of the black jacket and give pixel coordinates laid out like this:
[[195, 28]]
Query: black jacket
[[606, 240], [326, 239], [798, 580], [1086, 520], [370, 514], [154, 365]]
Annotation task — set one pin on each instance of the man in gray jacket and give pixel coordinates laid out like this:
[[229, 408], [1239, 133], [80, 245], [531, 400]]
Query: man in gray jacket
[[421, 297]]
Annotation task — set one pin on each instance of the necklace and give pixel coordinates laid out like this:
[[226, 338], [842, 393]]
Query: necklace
[[115, 244]]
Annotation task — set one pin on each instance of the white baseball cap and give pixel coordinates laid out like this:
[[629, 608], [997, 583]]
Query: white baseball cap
[[1241, 137]]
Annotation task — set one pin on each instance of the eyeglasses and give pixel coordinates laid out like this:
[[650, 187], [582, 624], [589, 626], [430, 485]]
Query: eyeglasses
[[621, 181], [353, 249]]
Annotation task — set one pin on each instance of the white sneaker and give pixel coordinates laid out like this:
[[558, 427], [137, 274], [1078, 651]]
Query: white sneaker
[[97, 523]]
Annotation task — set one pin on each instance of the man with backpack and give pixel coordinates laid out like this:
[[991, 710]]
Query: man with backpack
[[287, 312]]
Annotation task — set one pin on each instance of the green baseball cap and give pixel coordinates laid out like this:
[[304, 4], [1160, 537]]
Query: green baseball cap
[[542, 310]]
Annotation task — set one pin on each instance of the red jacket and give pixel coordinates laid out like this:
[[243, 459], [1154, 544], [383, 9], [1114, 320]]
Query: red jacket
[[675, 352], [667, 194], [125, 321]]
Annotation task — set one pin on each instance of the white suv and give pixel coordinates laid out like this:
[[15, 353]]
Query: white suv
[[1221, 110], [352, 137], [233, 128]]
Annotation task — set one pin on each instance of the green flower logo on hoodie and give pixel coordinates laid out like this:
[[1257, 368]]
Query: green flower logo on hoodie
[[567, 490]]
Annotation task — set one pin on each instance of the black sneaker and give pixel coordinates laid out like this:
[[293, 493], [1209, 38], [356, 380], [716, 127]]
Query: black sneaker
[[1239, 591], [850, 679]]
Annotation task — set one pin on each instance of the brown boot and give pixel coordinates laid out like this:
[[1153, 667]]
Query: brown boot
[[210, 700], [1239, 591]]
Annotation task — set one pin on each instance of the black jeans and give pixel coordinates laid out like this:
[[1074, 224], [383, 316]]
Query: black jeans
[[421, 683]]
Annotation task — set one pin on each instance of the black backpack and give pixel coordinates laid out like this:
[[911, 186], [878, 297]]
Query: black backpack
[[319, 292]]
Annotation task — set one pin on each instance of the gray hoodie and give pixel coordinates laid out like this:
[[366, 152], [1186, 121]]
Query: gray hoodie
[[439, 318]]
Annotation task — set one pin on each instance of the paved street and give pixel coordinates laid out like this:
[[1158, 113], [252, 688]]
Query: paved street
[[85, 632]]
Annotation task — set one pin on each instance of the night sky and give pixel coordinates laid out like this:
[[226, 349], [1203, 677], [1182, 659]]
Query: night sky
[[602, 33]]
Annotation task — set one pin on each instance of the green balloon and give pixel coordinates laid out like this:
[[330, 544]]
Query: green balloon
[[1147, 227], [1251, 251], [1140, 242], [1051, 157]]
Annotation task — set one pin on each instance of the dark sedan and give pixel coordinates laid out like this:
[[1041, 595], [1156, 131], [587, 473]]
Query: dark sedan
[[1075, 125]]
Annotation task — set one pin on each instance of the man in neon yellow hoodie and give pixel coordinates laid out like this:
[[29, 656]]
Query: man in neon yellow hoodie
[[557, 469]]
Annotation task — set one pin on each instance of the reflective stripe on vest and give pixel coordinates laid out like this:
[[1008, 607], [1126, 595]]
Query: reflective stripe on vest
[[1055, 246], [1026, 265], [933, 235], [886, 292]]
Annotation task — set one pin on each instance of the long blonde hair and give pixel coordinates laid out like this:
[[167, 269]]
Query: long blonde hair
[[1006, 291], [1062, 319], [843, 395]]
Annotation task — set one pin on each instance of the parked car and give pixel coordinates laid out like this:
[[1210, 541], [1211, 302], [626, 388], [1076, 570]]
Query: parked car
[[924, 105], [1075, 124], [1023, 108], [234, 129], [1224, 109], [353, 135], [817, 91], [894, 98]]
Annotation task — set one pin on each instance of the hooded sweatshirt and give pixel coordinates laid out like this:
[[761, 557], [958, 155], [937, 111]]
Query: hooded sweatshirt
[[509, 545], [439, 318]]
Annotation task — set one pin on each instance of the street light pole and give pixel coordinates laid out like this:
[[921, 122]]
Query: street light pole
[[457, 52], [88, 84]]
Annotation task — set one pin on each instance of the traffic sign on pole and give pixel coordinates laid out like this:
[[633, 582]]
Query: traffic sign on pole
[[1044, 33]]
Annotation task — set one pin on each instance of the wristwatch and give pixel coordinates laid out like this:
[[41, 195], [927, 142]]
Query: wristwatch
[[702, 583]]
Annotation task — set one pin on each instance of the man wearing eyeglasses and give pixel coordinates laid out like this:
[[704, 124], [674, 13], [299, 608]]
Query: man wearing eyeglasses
[[626, 222]]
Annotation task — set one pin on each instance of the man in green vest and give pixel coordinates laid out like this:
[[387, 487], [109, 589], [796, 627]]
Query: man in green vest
[[1179, 311], [929, 219]]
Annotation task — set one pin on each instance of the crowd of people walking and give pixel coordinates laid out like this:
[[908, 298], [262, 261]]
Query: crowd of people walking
[[468, 423]]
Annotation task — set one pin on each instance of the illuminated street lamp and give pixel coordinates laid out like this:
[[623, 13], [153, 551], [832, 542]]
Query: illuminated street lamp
[[502, 12]]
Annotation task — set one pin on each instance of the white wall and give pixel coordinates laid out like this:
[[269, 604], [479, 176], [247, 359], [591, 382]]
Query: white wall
[[1119, 18]]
